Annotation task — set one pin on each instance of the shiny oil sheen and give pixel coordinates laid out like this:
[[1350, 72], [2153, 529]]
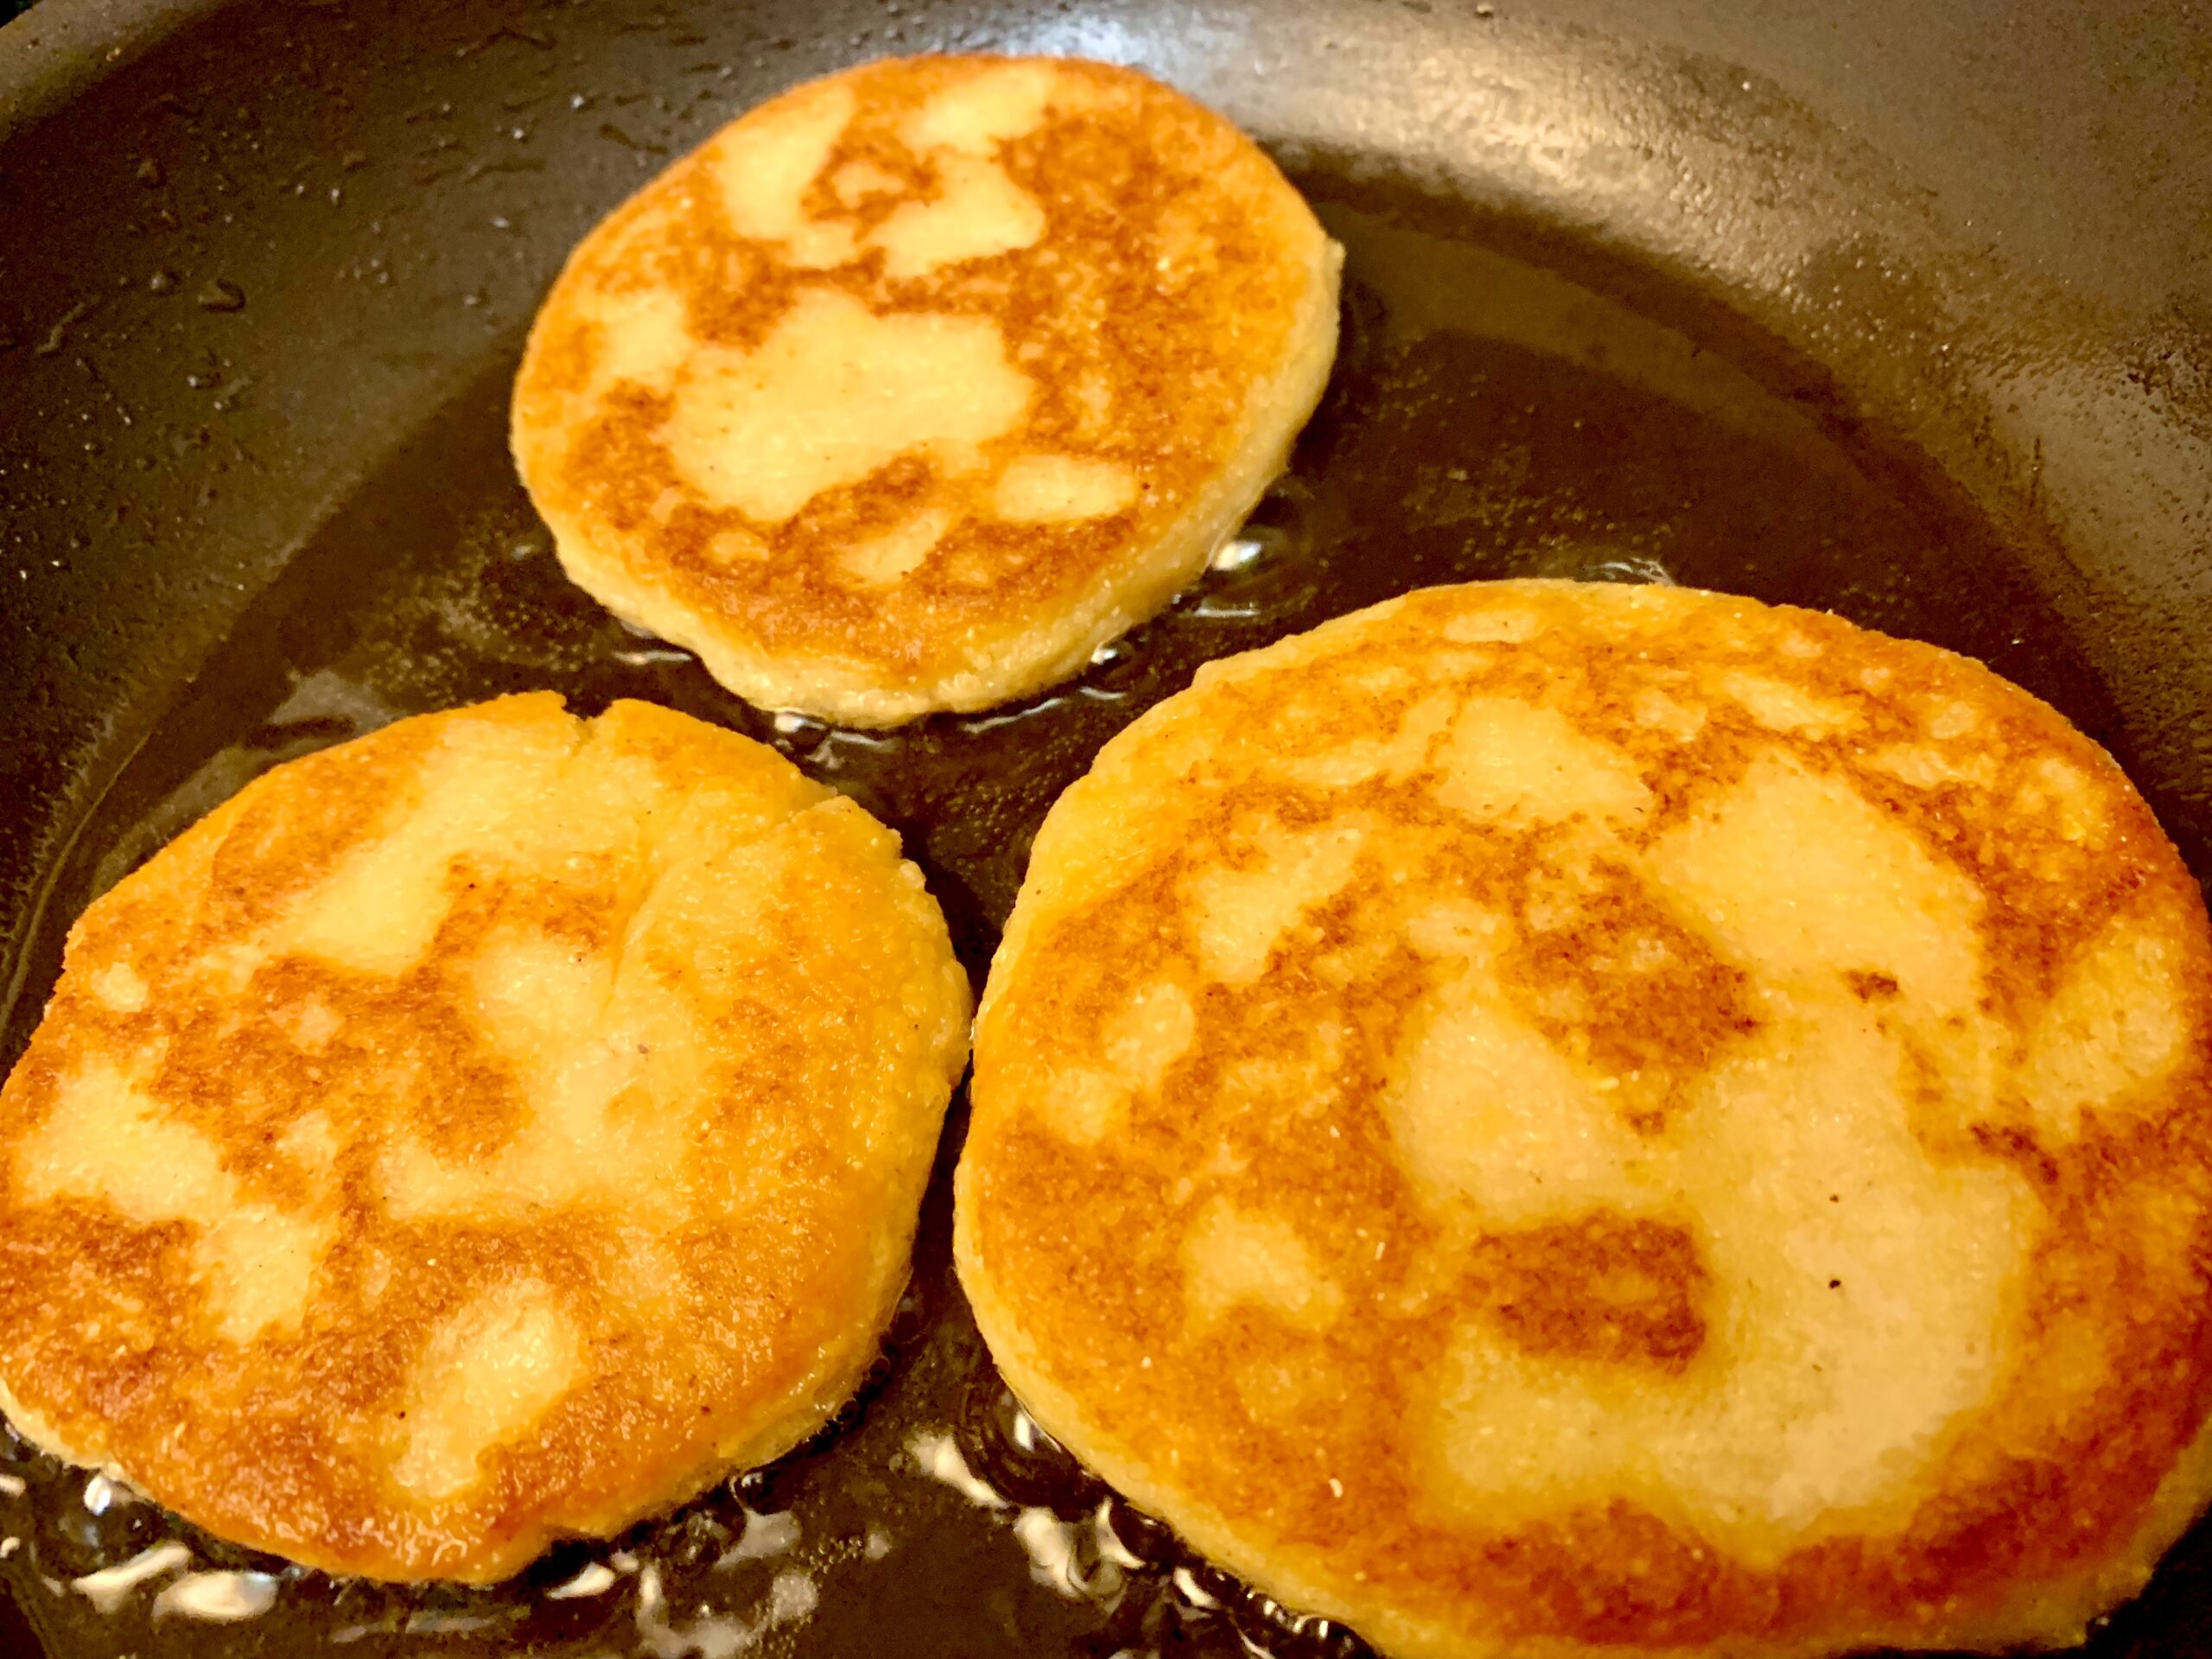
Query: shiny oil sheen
[[1617, 306], [1493, 414]]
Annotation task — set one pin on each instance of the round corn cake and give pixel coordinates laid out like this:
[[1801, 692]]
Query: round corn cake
[[1543, 1118], [492, 1129], [912, 387]]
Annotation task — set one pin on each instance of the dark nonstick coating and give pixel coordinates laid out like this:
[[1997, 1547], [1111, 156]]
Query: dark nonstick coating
[[1899, 310]]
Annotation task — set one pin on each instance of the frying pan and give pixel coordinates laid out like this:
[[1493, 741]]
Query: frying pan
[[1904, 311]]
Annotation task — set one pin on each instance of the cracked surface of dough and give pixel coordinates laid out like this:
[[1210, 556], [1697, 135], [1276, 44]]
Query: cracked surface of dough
[[494, 1128]]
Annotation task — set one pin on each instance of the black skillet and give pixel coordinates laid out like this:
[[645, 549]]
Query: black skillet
[[1899, 310]]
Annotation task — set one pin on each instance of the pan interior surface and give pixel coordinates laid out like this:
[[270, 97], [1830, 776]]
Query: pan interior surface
[[288, 517]]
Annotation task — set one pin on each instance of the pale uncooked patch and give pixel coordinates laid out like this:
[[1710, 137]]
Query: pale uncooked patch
[[108, 1140], [862, 400], [766, 167], [1084, 1104], [1782, 707], [474, 1061], [489, 1374], [122, 989], [1231, 1258], [2112, 1032], [1396, 757], [1052, 489], [835, 392], [978, 114], [879, 560], [1716, 1056], [1508, 759], [1151, 1033], [1243, 914], [1484, 1109], [1141, 1040], [1856, 1328], [980, 213], [1802, 876], [644, 337]]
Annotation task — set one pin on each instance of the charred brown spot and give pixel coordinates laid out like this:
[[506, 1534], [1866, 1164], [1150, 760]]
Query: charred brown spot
[[1624, 1291], [1613, 979]]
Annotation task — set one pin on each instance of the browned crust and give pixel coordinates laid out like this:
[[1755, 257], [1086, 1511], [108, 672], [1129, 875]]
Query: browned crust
[[1193, 348], [2047, 1504], [284, 1442]]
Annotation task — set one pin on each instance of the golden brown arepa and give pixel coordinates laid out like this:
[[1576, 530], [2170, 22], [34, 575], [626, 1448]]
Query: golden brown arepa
[[492, 1129], [1552, 1120], [913, 386]]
